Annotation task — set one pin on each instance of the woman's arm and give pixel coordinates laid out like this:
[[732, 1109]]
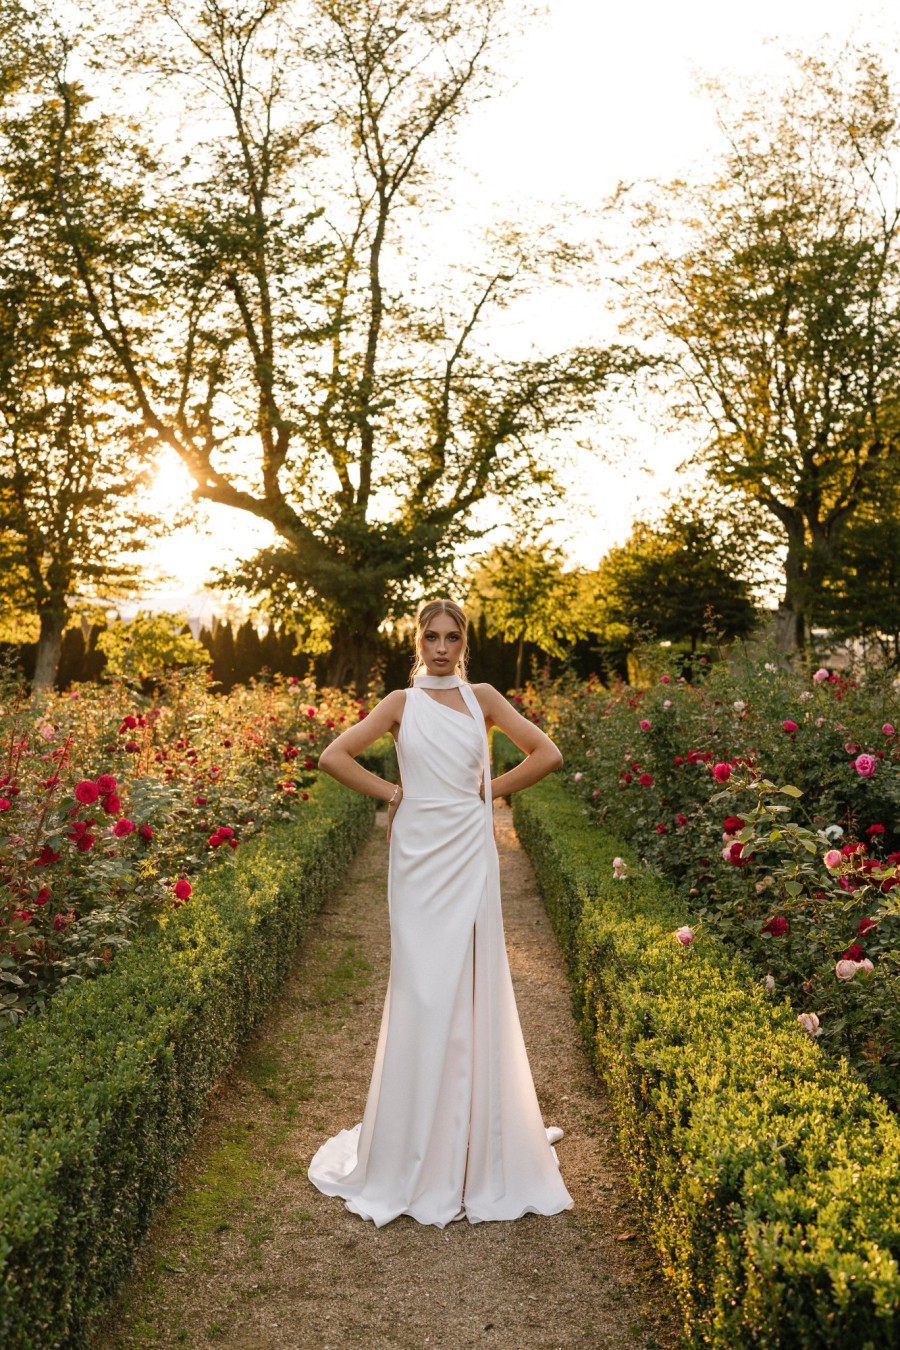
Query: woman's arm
[[543, 755], [338, 759]]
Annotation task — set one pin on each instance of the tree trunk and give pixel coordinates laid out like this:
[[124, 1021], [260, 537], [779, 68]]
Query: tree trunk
[[519, 656], [351, 658], [790, 619], [53, 622]]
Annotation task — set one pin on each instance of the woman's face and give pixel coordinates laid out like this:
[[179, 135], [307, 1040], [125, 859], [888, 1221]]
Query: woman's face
[[442, 645]]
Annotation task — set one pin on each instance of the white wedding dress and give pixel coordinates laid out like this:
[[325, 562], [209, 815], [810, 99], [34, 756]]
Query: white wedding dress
[[452, 1127]]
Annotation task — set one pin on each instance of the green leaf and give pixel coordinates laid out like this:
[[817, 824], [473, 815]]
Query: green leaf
[[792, 791]]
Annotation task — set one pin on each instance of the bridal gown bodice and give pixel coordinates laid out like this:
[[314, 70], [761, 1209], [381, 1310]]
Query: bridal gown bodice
[[451, 1127]]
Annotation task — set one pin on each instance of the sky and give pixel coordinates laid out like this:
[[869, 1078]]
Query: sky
[[597, 93]]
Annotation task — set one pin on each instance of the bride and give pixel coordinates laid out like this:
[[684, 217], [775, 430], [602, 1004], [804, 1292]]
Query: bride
[[452, 1128]]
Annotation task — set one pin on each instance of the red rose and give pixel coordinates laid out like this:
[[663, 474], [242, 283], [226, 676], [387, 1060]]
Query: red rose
[[662, 828], [226, 831], [182, 889], [645, 780], [47, 856], [132, 747], [866, 926], [681, 819], [789, 726], [106, 784], [123, 827], [85, 842], [722, 773], [145, 832], [215, 840], [112, 805], [199, 801], [875, 829], [86, 792], [42, 896], [678, 759], [128, 724], [733, 824], [4, 803], [853, 953], [776, 926]]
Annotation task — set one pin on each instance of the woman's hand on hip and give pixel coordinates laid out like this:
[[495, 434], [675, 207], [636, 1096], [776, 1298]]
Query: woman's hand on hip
[[392, 811]]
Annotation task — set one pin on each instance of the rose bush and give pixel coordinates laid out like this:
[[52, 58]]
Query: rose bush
[[112, 803], [701, 780]]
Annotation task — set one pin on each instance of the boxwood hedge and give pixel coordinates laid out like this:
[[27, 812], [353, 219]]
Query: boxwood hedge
[[769, 1179], [103, 1094]]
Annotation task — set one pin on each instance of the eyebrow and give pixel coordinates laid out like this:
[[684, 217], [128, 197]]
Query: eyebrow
[[454, 632]]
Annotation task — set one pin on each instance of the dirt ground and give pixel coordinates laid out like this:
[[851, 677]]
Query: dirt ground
[[247, 1253]]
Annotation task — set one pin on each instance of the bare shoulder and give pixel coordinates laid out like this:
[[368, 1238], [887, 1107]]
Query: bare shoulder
[[500, 713], [495, 706], [488, 697], [383, 718]]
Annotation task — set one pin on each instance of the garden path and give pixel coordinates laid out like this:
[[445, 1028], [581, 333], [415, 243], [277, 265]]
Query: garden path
[[247, 1253]]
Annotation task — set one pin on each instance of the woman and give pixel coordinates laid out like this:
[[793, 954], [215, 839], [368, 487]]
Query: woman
[[452, 1128]]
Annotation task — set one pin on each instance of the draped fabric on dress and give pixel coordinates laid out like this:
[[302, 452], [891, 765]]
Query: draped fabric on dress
[[452, 1125]]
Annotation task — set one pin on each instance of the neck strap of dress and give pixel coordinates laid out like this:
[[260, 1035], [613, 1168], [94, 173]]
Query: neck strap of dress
[[438, 681]]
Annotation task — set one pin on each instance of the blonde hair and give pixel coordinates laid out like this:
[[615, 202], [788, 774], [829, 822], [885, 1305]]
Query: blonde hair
[[423, 619]]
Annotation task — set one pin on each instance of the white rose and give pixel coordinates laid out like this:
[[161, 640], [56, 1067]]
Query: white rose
[[845, 970], [809, 1022]]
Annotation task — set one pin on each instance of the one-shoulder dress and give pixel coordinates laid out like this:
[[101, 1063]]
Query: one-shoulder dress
[[452, 1128]]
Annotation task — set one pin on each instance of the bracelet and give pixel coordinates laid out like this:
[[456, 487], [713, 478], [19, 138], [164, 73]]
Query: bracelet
[[396, 790]]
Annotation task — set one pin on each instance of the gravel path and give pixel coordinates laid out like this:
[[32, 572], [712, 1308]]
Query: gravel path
[[247, 1253]]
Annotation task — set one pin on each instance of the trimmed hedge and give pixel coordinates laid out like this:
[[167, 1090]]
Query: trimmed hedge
[[769, 1179], [102, 1095]]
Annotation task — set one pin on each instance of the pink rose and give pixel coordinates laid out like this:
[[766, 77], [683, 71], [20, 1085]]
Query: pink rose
[[664, 679], [845, 970], [684, 935], [888, 729], [832, 858], [809, 1022], [578, 777], [645, 724], [722, 773], [820, 675], [789, 726], [865, 765]]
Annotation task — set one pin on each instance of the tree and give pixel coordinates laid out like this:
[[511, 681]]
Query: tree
[[673, 579], [278, 257], [776, 285], [860, 592], [527, 596], [72, 462], [147, 646]]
